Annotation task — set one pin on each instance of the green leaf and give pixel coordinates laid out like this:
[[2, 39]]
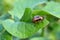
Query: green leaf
[[5, 36], [2, 30], [39, 38], [55, 29], [39, 12], [46, 15], [20, 5], [52, 18], [27, 15], [23, 29], [53, 8], [40, 6], [55, 26], [5, 16]]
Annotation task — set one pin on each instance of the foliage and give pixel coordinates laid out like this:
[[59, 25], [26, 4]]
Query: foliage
[[16, 20]]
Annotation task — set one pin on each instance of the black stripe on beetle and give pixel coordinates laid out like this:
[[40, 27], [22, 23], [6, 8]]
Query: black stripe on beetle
[[37, 18]]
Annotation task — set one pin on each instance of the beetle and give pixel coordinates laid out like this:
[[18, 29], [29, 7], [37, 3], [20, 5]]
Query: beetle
[[37, 18]]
